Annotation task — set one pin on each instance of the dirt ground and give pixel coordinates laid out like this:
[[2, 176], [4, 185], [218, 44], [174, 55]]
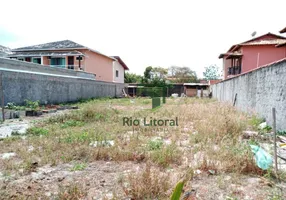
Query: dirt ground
[[102, 180], [116, 176]]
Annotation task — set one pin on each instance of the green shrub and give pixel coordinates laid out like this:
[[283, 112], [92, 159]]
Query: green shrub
[[267, 128], [77, 137], [255, 121], [155, 144], [33, 105], [78, 167], [281, 132], [11, 105], [37, 131], [166, 155], [72, 123]]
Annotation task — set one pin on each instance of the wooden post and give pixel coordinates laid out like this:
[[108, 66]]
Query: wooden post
[[275, 147], [234, 101], [2, 97], [168, 91], [79, 63]]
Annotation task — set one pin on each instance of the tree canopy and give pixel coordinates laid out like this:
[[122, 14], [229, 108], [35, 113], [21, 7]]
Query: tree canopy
[[212, 72], [155, 76], [132, 78], [182, 74], [160, 76]]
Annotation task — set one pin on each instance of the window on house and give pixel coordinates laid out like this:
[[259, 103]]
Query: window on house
[[235, 66], [58, 62], [117, 73], [37, 60]]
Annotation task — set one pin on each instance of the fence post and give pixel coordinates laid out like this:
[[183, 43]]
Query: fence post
[[2, 96], [234, 101], [164, 94], [275, 147]]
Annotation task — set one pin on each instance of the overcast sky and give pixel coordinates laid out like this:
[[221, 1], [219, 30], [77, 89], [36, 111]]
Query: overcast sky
[[143, 32]]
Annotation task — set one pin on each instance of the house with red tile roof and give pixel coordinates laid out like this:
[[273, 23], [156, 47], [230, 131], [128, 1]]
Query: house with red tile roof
[[73, 56], [253, 54], [283, 30]]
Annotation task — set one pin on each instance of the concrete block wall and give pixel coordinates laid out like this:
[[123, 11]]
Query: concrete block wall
[[53, 88], [257, 92]]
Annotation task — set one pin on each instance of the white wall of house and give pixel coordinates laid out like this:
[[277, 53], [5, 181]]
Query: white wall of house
[[118, 67]]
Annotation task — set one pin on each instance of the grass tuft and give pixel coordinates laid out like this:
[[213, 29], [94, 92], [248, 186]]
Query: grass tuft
[[153, 184]]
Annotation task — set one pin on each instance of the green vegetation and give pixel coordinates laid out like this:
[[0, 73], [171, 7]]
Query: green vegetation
[[281, 133], [132, 78], [155, 144], [212, 72], [13, 106], [71, 123], [255, 121], [78, 167], [178, 191], [208, 139], [33, 105], [37, 131]]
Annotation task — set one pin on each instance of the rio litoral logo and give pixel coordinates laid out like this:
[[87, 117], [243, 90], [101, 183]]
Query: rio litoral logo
[[128, 121]]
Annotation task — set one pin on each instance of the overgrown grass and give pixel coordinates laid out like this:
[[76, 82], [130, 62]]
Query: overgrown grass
[[70, 136], [166, 155], [37, 131], [95, 132]]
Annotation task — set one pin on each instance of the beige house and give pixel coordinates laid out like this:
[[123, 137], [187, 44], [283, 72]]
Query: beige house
[[119, 68], [73, 56]]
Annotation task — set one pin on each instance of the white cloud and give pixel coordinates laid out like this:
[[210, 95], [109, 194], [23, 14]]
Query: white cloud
[[143, 33]]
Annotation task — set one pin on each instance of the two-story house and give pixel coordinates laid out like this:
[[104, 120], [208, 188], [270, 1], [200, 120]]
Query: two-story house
[[70, 55], [283, 44], [4, 51], [252, 54]]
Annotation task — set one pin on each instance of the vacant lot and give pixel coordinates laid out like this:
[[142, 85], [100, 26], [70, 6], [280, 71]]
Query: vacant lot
[[89, 154]]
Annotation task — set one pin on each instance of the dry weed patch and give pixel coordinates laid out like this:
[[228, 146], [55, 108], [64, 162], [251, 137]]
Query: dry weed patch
[[95, 132], [150, 183]]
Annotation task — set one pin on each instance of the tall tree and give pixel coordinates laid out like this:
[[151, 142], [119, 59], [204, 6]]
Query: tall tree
[[155, 76], [212, 72], [132, 78], [159, 72], [147, 74], [182, 74], [154, 81]]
